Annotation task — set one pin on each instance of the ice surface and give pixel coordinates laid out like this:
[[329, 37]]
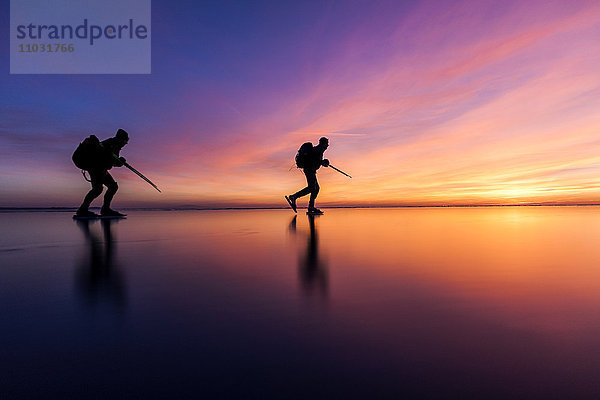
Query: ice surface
[[498, 302]]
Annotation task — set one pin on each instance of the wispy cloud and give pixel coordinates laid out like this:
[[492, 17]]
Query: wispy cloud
[[469, 102]]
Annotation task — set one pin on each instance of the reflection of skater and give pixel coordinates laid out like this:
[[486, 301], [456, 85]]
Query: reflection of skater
[[312, 271], [310, 159], [98, 276]]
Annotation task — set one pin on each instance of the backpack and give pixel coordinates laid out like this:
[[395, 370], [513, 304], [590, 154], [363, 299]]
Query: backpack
[[86, 155], [303, 156]]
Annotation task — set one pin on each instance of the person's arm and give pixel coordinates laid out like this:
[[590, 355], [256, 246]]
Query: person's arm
[[323, 161], [120, 161], [112, 150]]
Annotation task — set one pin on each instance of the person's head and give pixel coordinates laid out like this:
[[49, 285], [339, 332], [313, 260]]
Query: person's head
[[324, 142], [122, 136]]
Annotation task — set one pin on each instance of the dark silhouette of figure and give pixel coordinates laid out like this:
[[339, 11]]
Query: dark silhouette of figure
[[313, 163], [99, 175], [98, 276], [312, 271]]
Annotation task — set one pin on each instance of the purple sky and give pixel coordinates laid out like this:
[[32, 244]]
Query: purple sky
[[425, 102]]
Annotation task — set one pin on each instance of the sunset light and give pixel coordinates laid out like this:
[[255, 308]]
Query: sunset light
[[300, 199], [425, 104]]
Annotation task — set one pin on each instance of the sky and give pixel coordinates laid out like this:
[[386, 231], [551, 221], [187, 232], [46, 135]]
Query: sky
[[424, 103]]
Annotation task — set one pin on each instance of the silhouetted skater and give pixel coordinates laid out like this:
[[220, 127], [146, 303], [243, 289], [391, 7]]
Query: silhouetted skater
[[310, 159], [98, 158]]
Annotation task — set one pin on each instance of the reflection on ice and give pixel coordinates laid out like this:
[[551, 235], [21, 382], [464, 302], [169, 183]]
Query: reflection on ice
[[312, 271], [99, 278], [410, 303]]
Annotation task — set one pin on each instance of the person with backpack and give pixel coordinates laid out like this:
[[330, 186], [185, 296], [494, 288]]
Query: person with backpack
[[310, 159], [98, 158]]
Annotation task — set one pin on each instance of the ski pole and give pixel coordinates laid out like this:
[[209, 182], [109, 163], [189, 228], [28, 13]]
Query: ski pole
[[132, 169], [140, 175], [340, 171]]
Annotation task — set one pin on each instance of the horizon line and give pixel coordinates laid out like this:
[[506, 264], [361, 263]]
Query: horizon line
[[201, 208]]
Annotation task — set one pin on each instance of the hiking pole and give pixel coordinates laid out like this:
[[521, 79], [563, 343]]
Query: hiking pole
[[340, 171], [135, 171], [139, 174]]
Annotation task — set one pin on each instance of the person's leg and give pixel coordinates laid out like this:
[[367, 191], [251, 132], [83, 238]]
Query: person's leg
[[309, 174], [111, 189], [313, 185], [96, 178], [110, 192], [300, 193]]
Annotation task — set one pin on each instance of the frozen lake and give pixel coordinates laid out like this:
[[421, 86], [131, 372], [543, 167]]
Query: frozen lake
[[358, 303]]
